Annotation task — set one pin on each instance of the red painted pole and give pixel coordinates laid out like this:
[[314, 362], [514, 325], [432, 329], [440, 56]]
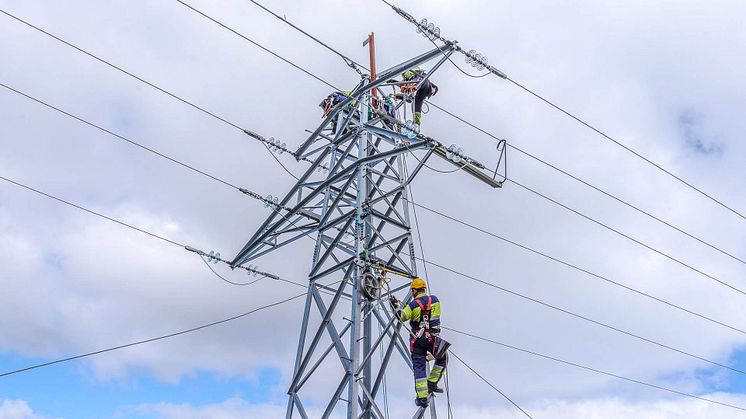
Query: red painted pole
[[372, 51]]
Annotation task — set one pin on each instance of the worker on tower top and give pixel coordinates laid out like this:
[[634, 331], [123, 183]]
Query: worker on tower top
[[330, 102], [426, 90], [423, 314]]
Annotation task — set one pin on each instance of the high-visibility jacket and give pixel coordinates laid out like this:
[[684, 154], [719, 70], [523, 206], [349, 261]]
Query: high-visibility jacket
[[412, 312], [416, 74]]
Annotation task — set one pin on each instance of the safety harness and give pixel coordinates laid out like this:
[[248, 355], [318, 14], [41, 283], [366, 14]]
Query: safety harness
[[438, 346], [424, 323], [331, 101]]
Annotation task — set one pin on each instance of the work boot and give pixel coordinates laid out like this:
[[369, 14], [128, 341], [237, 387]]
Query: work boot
[[421, 402], [433, 387]]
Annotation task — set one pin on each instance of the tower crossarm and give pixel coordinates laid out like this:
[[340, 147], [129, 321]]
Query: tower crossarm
[[286, 223], [382, 78]]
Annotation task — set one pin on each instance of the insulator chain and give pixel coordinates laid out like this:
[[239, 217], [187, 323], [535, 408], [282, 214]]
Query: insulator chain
[[455, 153], [428, 30], [476, 60], [280, 147], [214, 257], [271, 202], [277, 146], [251, 269]]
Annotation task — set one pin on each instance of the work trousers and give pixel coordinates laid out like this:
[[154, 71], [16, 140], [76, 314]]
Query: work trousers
[[420, 347], [424, 92]]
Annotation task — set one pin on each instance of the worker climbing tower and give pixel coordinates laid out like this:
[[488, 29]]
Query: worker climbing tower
[[352, 201]]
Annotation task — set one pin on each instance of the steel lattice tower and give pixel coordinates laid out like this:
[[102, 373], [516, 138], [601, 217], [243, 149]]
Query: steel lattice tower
[[353, 200]]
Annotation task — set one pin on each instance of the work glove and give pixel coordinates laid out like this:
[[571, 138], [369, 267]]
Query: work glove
[[394, 304]]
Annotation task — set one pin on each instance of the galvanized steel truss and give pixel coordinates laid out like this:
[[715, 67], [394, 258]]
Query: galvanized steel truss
[[358, 213]]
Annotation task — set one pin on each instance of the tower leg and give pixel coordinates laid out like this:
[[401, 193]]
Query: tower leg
[[299, 352]]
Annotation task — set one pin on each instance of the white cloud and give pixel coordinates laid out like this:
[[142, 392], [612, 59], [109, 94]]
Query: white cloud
[[631, 70], [229, 409], [594, 408], [17, 409]]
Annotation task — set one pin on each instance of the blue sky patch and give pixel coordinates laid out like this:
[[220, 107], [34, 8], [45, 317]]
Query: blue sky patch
[[68, 391]]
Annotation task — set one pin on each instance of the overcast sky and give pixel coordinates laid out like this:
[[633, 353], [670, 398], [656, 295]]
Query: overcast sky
[[664, 77]]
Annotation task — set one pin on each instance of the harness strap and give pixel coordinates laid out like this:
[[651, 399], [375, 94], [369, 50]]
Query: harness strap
[[422, 306], [328, 108], [422, 312]]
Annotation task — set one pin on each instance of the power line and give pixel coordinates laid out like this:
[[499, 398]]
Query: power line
[[582, 317], [97, 58], [556, 168], [588, 184], [79, 207], [220, 321], [143, 147], [186, 247], [229, 184], [489, 384], [280, 163], [118, 136], [586, 318], [228, 280], [149, 233], [309, 73], [628, 237], [620, 144], [409, 18], [238, 188], [162, 155], [651, 248], [598, 371], [345, 58], [462, 361], [583, 270], [556, 202], [140, 342], [254, 194], [217, 22], [98, 214], [620, 233], [153, 85]]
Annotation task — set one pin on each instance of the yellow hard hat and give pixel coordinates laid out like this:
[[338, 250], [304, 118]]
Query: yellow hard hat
[[418, 283]]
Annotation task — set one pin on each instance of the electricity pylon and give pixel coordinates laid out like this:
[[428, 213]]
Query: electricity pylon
[[352, 200]]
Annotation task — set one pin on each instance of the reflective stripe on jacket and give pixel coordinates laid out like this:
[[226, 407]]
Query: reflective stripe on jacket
[[412, 311]]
